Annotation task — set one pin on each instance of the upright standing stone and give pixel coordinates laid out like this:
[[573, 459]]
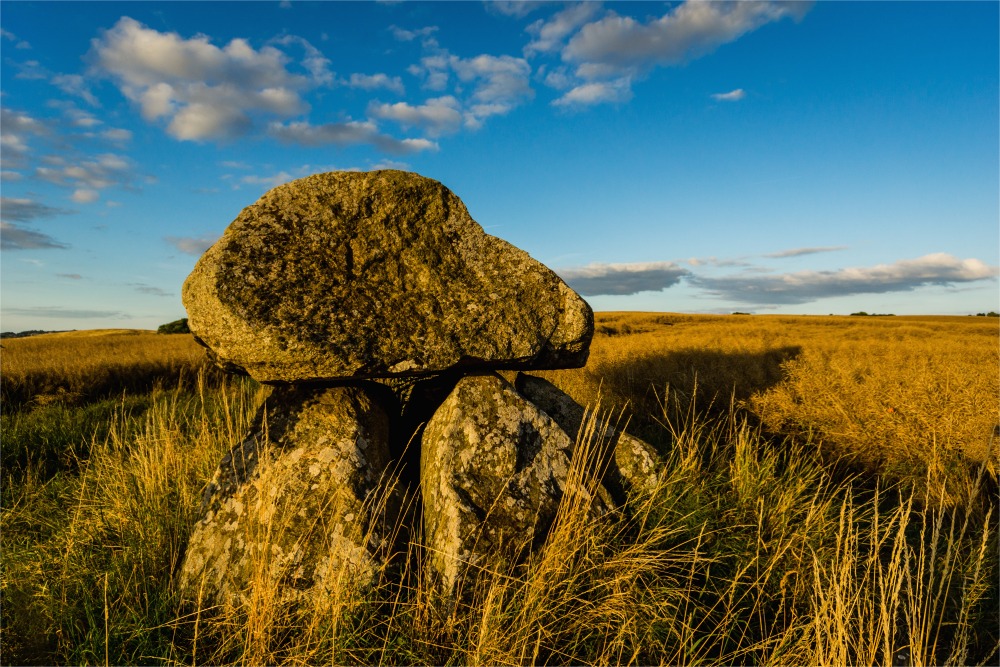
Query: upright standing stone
[[493, 470], [632, 466], [377, 274], [302, 505]]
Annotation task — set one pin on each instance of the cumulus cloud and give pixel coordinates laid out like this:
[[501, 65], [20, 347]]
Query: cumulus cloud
[[191, 245], [13, 209], [117, 134], [16, 237], [314, 61], [346, 134], [97, 172], [437, 116], [201, 90], [376, 81], [516, 8], [804, 286], [731, 96], [796, 252], [403, 35], [85, 196], [687, 31], [496, 79], [498, 83], [622, 279], [269, 181], [75, 84], [596, 92], [16, 130], [615, 51], [548, 35]]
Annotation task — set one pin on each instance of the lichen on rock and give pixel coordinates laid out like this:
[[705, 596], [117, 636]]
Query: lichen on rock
[[303, 504], [493, 470], [632, 465], [376, 274]]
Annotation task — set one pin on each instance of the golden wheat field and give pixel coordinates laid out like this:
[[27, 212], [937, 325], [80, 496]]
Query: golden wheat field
[[829, 498]]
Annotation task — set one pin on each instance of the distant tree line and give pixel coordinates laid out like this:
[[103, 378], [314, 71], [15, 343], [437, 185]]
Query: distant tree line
[[176, 327], [30, 332], [862, 313], [992, 313]]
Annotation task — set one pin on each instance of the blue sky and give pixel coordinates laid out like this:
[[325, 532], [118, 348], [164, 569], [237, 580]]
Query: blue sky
[[687, 157]]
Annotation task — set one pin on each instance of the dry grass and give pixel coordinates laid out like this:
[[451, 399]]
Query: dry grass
[[76, 366], [753, 550], [909, 396]]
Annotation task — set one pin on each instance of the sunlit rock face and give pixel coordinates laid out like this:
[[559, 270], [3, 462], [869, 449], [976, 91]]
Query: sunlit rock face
[[372, 275], [493, 469], [303, 505]]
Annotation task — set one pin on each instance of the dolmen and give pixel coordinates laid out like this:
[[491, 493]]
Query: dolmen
[[380, 312]]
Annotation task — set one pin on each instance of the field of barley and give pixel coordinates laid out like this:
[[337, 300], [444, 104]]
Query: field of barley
[[829, 498]]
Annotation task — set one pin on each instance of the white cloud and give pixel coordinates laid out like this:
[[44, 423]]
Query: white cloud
[[499, 83], [597, 92], [16, 129], [375, 81], [317, 64], [346, 134], [85, 196], [804, 286], [515, 8], [19, 43], [439, 115], [403, 35], [389, 164], [550, 34], [75, 84], [731, 96], [191, 245], [95, 173], [117, 134], [687, 31], [614, 51], [557, 78], [269, 181], [497, 79], [79, 118], [207, 92], [621, 279]]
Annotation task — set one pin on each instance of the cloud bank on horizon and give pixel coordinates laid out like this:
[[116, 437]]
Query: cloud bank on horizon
[[754, 288], [151, 103]]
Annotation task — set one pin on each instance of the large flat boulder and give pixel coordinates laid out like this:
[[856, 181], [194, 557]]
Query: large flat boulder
[[374, 275], [302, 506]]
